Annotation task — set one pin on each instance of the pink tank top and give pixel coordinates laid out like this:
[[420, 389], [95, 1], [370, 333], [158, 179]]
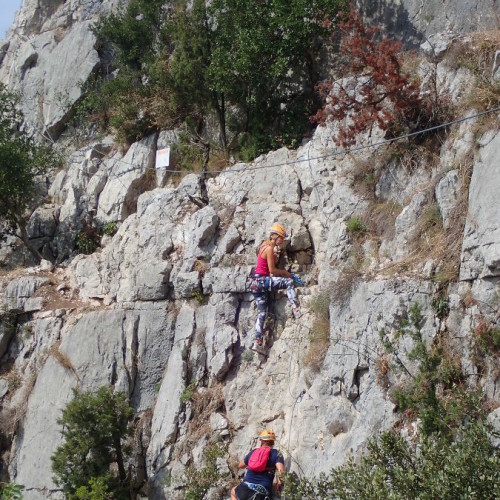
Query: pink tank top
[[262, 268]]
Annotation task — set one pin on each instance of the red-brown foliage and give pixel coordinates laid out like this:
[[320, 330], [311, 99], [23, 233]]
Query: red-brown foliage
[[376, 91]]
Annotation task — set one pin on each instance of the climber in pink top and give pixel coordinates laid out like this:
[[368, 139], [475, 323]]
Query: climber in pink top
[[268, 277]]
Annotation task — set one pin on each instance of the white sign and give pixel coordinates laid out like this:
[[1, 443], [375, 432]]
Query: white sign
[[162, 158]]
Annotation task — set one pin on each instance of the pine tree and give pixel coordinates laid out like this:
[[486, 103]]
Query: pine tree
[[94, 427]]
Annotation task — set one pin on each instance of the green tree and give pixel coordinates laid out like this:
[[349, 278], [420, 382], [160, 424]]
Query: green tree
[[252, 64], [23, 162], [134, 32], [258, 57], [452, 455], [396, 468], [94, 427]]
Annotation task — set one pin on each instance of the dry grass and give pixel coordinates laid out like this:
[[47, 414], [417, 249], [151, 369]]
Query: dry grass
[[431, 241], [201, 266], [382, 367], [485, 124], [204, 403], [365, 175], [319, 336], [347, 281], [12, 414], [476, 53], [382, 217], [468, 300], [319, 342], [63, 359]]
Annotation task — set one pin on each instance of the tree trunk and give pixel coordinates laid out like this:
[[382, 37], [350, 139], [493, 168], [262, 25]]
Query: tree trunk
[[119, 459], [203, 176], [220, 108], [21, 225]]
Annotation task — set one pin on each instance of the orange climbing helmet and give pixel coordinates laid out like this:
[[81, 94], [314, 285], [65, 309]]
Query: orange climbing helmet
[[267, 435], [279, 230]]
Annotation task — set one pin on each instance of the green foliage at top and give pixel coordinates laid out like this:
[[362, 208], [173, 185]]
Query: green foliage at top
[[254, 65], [134, 32], [94, 426], [395, 468], [23, 162]]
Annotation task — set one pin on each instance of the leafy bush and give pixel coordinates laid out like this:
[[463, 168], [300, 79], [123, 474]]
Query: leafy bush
[[395, 468], [97, 489], [11, 491], [436, 393], [451, 456], [200, 480], [24, 161], [237, 62], [87, 240], [93, 426]]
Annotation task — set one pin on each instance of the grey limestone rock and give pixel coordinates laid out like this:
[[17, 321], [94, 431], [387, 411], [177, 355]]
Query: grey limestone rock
[[480, 249], [20, 291], [447, 193]]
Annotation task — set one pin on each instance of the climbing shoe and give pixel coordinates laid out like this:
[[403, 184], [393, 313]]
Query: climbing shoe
[[258, 346], [297, 313]]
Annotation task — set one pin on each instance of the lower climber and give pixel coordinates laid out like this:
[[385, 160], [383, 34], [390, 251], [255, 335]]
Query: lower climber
[[262, 463], [268, 277]]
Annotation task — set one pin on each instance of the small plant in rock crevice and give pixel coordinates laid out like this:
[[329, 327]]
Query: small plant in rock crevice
[[11, 491], [110, 228], [187, 393], [355, 226], [87, 240], [248, 356], [200, 479], [200, 297], [486, 339], [441, 305]]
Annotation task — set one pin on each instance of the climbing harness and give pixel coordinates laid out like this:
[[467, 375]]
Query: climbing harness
[[259, 490]]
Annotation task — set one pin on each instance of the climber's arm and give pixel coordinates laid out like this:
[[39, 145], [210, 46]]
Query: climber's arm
[[271, 264]]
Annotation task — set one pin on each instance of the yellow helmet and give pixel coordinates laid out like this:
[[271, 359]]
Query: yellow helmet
[[267, 435], [279, 230]]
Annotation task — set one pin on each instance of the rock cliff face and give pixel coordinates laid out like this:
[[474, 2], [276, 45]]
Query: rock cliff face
[[163, 307]]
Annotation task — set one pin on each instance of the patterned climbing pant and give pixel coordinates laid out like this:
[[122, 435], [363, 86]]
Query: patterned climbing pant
[[260, 288]]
